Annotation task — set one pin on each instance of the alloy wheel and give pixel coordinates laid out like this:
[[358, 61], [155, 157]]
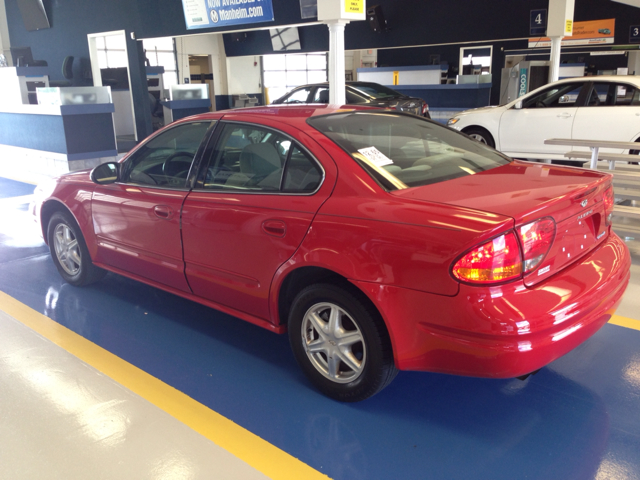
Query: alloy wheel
[[67, 249], [333, 342]]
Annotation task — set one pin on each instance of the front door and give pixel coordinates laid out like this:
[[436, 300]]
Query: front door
[[137, 221], [252, 207], [547, 114]]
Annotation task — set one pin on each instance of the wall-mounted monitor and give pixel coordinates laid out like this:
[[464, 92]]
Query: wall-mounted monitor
[[22, 56], [308, 9], [285, 39], [33, 14]]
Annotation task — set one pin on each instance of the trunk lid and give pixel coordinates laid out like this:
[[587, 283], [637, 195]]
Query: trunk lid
[[526, 192]]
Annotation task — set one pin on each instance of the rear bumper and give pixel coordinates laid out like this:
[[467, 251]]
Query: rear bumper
[[509, 330]]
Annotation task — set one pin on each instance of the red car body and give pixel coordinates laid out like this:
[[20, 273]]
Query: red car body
[[240, 253]]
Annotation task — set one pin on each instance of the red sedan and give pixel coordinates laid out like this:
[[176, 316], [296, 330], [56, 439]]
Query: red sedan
[[379, 240]]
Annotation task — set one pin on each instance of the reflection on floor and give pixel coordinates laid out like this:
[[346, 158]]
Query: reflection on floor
[[577, 418]]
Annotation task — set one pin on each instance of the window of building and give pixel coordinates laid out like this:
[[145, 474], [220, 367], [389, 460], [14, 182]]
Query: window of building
[[281, 73], [112, 51], [160, 53]]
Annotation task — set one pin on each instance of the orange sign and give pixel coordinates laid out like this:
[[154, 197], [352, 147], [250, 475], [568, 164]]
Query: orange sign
[[594, 32]]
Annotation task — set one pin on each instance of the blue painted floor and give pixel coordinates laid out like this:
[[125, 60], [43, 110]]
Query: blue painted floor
[[579, 418]]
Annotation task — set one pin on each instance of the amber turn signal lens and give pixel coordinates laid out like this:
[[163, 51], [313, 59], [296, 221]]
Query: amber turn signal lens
[[497, 260]]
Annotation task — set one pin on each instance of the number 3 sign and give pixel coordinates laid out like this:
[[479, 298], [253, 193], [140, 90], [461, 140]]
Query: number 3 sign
[[634, 34]]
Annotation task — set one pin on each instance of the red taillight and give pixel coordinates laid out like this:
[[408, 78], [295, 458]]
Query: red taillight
[[608, 206], [501, 260], [536, 238], [498, 260]]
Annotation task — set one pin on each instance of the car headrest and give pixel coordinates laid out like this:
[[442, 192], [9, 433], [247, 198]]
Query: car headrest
[[259, 159]]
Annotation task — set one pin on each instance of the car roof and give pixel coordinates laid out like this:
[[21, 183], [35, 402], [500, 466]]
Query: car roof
[[635, 79], [289, 114], [349, 83]]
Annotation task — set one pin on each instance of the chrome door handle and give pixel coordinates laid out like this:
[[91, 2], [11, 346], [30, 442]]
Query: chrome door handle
[[564, 115], [163, 212]]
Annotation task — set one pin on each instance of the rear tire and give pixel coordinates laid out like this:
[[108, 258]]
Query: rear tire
[[69, 251], [341, 343], [481, 135]]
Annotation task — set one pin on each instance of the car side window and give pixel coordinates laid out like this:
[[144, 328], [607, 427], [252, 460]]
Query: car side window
[[166, 159], [299, 96], [301, 173], [271, 162], [321, 95], [353, 97], [559, 96], [599, 95], [255, 165], [613, 94]]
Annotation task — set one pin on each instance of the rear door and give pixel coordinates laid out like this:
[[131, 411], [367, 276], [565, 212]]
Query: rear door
[[249, 213], [611, 112], [137, 221], [547, 114]]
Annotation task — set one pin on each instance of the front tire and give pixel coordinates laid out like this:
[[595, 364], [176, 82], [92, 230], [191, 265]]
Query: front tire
[[341, 343], [481, 135], [69, 251]]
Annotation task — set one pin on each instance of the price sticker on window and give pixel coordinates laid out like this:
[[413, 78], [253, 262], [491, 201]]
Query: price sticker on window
[[375, 156]]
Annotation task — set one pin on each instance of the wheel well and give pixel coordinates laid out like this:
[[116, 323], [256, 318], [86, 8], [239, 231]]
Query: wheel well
[[301, 278], [489, 137], [46, 212], [475, 127]]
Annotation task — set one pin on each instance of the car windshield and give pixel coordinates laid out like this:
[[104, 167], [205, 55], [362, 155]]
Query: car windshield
[[401, 151], [376, 91]]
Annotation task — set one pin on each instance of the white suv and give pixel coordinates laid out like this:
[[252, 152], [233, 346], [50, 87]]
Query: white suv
[[593, 108]]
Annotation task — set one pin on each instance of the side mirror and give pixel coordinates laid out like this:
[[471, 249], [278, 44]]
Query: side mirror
[[518, 105], [105, 173]]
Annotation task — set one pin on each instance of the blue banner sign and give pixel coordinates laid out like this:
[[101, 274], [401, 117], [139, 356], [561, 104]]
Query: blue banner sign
[[224, 13]]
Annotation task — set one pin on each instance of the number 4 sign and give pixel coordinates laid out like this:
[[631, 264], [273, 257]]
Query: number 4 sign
[[634, 34], [538, 23]]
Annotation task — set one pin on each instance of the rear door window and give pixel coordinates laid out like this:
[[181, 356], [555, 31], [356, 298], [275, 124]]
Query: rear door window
[[613, 94], [298, 96], [249, 158]]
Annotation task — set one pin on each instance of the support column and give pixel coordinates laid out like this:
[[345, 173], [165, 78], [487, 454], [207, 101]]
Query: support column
[[336, 62], [554, 66]]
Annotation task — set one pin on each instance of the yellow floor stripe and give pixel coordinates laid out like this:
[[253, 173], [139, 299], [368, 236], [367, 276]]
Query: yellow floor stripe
[[19, 178], [250, 448], [625, 322]]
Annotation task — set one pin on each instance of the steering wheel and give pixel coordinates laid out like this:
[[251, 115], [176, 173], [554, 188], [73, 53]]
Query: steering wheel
[[185, 164]]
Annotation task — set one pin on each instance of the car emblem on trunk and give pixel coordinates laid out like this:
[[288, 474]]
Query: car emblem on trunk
[[584, 203]]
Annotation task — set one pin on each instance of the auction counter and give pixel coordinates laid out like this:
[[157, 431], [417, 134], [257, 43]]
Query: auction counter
[[186, 100], [71, 129]]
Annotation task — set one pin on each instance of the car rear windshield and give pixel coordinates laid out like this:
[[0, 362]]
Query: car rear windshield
[[375, 90], [401, 151]]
